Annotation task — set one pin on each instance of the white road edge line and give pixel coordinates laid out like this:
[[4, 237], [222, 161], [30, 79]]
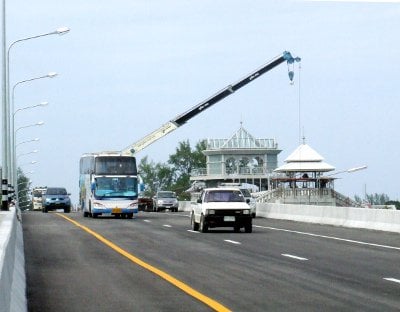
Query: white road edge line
[[329, 237], [191, 231], [390, 279], [295, 257], [145, 220], [167, 225], [232, 242]]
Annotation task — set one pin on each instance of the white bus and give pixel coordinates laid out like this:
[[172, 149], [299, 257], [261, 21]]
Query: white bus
[[37, 193], [108, 185]]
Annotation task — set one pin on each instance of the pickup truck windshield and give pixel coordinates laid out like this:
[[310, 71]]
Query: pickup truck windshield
[[224, 196]]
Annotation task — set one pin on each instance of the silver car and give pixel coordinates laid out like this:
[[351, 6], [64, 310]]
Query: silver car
[[165, 200]]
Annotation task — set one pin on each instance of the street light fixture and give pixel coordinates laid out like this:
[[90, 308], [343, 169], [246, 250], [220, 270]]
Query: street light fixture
[[24, 154], [41, 104], [27, 141], [29, 163], [15, 173], [351, 170], [11, 145], [40, 123], [5, 97]]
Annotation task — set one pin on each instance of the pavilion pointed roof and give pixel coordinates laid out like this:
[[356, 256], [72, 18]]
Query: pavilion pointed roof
[[305, 159], [242, 139], [304, 153]]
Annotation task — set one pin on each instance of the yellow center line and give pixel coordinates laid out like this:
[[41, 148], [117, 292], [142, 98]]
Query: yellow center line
[[169, 278]]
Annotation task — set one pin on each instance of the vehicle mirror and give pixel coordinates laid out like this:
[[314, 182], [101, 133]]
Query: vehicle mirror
[[199, 200], [248, 200]]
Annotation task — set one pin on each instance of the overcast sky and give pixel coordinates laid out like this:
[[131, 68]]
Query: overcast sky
[[127, 67]]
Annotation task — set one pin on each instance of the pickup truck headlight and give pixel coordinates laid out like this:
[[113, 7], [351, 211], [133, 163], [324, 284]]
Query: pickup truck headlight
[[210, 211], [246, 211]]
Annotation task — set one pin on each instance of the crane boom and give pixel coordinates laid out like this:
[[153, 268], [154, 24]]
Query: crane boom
[[197, 109]]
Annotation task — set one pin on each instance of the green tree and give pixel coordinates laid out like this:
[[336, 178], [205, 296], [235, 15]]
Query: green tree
[[377, 199], [24, 185], [155, 176], [175, 175], [183, 162], [394, 202]]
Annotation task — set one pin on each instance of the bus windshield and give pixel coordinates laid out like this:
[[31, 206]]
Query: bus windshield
[[111, 187], [105, 165]]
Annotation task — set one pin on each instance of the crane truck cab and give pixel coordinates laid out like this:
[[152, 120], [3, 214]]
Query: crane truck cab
[[221, 207]]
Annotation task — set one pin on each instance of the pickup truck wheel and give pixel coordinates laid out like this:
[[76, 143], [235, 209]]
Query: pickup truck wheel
[[203, 225], [248, 228], [195, 226]]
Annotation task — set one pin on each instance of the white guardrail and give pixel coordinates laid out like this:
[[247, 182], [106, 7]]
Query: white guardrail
[[366, 218], [355, 217], [12, 264]]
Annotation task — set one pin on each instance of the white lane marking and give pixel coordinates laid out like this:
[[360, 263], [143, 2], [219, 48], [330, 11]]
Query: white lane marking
[[232, 242], [294, 257], [390, 279], [167, 225], [191, 231], [148, 221], [329, 237]]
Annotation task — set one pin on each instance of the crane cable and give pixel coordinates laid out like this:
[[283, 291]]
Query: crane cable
[[301, 137], [291, 77]]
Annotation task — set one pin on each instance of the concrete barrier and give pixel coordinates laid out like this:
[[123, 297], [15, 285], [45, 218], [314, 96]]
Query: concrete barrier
[[367, 218], [12, 264]]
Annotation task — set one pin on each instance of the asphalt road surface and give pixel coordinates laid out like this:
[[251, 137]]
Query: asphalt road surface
[[154, 262]]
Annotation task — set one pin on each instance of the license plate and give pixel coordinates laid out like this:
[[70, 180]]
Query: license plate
[[229, 218], [117, 210]]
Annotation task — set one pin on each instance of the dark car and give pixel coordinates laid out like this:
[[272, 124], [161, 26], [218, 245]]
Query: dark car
[[56, 198]]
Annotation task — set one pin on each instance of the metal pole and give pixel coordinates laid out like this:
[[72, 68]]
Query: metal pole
[[5, 118]]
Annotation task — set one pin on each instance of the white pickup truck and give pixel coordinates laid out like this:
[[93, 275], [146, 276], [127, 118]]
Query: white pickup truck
[[221, 207]]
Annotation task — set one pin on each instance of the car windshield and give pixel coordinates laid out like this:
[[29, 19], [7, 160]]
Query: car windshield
[[37, 193], [56, 191], [246, 192], [125, 187], [224, 196], [166, 195]]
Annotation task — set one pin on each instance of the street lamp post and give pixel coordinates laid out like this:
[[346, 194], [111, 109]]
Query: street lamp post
[[5, 100], [351, 170], [13, 143], [11, 118], [40, 123], [27, 141], [24, 154]]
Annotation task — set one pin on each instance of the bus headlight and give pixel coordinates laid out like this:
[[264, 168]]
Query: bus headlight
[[246, 211], [98, 205], [210, 211]]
